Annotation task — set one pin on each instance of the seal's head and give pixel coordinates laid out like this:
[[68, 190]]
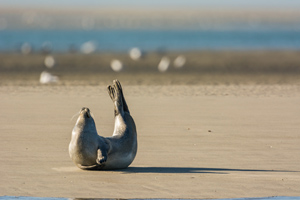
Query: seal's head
[[85, 120], [85, 112]]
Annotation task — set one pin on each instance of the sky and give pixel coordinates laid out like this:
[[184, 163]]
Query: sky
[[153, 3]]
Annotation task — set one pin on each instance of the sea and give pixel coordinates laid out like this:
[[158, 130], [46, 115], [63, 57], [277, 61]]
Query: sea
[[120, 40]]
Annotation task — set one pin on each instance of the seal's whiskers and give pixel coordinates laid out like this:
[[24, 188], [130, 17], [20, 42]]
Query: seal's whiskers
[[75, 116]]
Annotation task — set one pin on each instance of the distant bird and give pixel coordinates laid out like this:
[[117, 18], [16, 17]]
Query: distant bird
[[179, 62], [49, 61], [88, 47], [164, 64], [116, 65], [46, 77], [135, 53]]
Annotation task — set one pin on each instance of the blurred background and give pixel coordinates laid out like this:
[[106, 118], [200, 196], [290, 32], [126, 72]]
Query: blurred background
[[94, 37]]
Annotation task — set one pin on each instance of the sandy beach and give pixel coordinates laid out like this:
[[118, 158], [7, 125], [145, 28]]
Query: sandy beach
[[201, 134]]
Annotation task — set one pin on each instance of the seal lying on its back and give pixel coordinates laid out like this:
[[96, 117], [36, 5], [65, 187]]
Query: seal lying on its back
[[88, 150]]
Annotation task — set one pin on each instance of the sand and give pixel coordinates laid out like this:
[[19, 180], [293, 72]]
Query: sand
[[195, 141], [212, 130]]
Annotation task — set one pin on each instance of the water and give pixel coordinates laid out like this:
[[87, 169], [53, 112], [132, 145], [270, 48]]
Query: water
[[152, 40], [51, 198]]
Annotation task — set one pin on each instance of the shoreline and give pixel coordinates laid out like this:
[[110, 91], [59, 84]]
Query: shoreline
[[201, 68], [214, 61]]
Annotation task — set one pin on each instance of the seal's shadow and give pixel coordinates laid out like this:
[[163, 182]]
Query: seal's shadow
[[183, 170]]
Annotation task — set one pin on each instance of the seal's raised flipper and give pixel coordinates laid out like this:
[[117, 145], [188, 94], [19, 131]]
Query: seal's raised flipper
[[118, 85], [116, 98], [111, 92], [116, 94]]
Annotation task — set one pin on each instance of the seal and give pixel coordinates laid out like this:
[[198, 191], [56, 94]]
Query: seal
[[88, 150]]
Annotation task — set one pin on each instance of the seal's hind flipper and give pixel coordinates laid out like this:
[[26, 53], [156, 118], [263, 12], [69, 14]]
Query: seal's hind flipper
[[114, 97], [116, 94], [111, 92], [118, 85]]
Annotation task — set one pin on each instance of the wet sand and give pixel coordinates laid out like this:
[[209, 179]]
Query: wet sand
[[236, 136]]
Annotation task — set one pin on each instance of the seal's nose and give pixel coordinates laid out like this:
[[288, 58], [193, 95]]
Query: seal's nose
[[84, 108], [86, 112]]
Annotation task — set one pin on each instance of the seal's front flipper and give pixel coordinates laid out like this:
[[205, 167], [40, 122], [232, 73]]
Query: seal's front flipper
[[101, 157]]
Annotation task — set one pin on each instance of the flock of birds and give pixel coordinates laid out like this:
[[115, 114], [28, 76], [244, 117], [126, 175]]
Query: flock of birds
[[136, 54], [116, 64]]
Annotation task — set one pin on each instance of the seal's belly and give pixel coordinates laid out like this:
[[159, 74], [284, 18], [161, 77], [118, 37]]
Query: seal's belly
[[86, 158], [82, 155]]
